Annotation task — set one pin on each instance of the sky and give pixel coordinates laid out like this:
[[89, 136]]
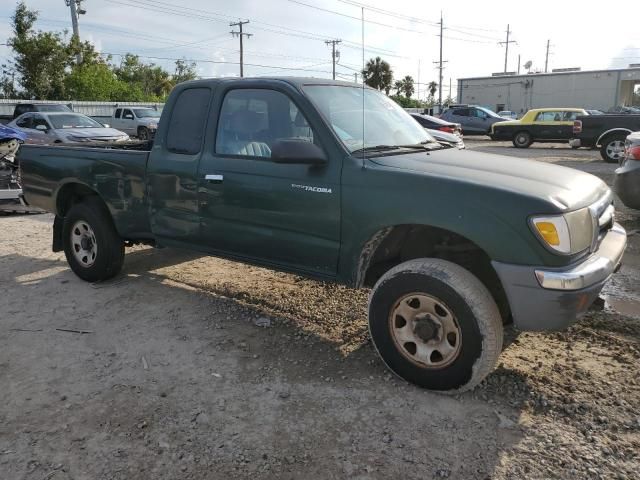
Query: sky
[[288, 36]]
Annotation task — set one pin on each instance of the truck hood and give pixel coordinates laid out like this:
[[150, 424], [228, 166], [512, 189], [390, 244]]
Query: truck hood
[[564, 188]]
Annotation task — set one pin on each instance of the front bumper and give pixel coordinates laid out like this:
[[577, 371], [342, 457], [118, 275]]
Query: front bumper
[[552, 299]]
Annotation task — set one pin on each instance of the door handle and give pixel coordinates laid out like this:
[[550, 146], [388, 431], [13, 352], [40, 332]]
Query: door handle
[[214, 178]]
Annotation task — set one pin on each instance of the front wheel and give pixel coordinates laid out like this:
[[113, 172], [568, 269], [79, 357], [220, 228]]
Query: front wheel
[[612, 149], [435, 324], [522, 140], [93, 248]]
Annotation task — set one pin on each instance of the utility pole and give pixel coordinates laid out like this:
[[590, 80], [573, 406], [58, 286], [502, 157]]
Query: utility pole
[[546, 58], [76, 10], [518, 64], [450, 94], [355, 76], [240, 34], [506, 50], [440, 67], [440, 64], [334, 59]]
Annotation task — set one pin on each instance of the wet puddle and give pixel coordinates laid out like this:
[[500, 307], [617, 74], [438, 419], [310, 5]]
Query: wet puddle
[[623, 306]]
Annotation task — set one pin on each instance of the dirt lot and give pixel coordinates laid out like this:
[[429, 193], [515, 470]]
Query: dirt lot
[[193, 367]]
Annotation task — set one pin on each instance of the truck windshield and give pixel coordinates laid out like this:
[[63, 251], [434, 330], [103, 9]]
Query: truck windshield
[[385, 122], [146, 113], [73, 121]]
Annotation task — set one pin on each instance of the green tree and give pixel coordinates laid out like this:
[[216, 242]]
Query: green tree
[[433, 88], [378, 74], [408, 86], [96, 81], [184, 72], [397, 86], [40, 58]]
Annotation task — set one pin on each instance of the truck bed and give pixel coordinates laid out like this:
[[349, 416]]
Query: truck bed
[[115, 171]]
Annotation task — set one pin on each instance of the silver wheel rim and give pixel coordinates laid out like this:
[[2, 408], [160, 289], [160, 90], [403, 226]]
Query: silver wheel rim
[[425, 331], [521, 139], [615, 149], [83, 243]]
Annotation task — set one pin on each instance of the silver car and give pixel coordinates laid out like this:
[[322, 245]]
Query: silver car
[[65, 127]]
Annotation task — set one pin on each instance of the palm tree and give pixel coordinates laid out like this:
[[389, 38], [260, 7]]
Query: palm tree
[[378, 74], [399, 86], [408, 86], [433, 88]]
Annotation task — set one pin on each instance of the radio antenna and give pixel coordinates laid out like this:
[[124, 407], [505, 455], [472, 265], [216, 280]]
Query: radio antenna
[[363, 89]]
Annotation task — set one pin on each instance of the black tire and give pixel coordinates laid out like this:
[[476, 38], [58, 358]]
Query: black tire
[[109, 254], [143, 133], [609, 145], [522, 140], [455, 290]]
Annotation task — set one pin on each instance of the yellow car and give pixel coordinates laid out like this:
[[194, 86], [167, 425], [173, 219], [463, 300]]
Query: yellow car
[[538, 125]]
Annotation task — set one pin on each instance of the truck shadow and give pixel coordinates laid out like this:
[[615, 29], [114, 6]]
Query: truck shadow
[[296, 376]]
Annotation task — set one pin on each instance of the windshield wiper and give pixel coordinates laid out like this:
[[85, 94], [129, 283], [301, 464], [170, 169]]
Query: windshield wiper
[[383, 148]]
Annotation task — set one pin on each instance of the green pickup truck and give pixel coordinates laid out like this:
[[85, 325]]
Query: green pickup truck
[[334, 181]]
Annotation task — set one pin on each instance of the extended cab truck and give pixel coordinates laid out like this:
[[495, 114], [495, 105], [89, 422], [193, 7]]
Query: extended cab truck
[[140, 122], [281, 173], [606, 132]]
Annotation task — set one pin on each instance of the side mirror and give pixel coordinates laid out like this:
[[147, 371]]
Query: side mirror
[[42, 128], [299, 152], [128, 117]]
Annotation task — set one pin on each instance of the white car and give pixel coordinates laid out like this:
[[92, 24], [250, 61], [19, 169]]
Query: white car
[[508, 114], [65, 127]]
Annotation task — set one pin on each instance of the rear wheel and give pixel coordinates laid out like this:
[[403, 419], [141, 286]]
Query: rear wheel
[[522, 140], [435, 324], [612, 149], [92, 245]]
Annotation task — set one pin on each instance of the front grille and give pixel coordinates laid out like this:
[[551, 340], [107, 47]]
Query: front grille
[[603, 214]]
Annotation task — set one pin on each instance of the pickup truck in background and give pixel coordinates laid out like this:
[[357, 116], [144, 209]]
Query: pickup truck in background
[[284, 173], [606, 132], [138, 122]]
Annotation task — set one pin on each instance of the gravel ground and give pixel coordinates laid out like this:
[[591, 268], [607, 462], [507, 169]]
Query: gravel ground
[[192, 367]]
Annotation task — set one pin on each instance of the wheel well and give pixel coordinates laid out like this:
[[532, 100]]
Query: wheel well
[[71, 194], [401, 243], [612, 133]]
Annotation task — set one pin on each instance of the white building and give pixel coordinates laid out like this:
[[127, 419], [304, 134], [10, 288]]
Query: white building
[[595, 89]]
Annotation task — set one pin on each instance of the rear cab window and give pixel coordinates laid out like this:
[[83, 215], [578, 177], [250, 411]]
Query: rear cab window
[[185, 132], [118, 112]]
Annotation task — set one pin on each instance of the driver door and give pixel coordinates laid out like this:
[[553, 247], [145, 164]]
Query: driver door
[[251, 207]]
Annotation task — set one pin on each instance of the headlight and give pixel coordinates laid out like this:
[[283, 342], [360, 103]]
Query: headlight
[[79, 139], [570, 233]]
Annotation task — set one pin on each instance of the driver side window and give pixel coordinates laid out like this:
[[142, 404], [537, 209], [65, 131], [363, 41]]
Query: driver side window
[[39, 120], [252, 120], [25, 121]]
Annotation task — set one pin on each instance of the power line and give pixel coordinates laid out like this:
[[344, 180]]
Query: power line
[[240, 34], [221, 62]]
